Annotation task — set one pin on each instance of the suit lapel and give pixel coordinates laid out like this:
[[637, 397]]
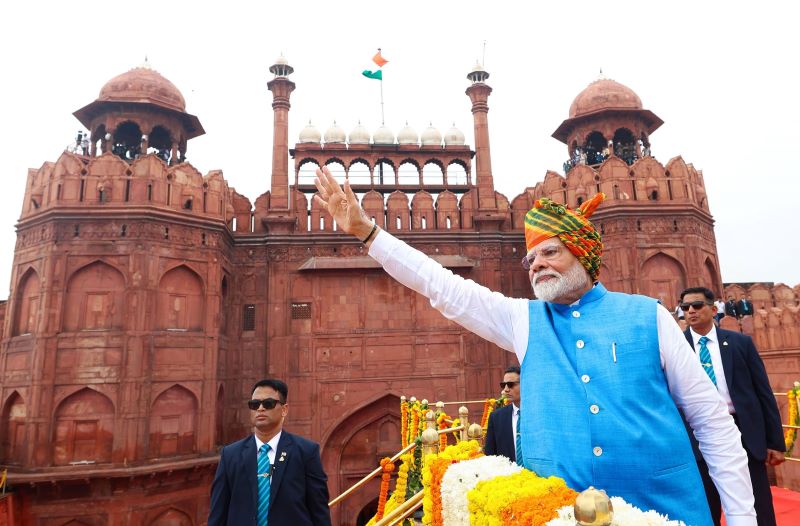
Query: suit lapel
[[250, 463], [285, 450], [726, 353]]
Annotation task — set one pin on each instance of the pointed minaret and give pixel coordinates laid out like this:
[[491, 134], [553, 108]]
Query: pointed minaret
[[279, 218], [478, 92]]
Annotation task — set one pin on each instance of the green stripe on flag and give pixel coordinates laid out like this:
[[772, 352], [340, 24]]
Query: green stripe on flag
[[378, 75]]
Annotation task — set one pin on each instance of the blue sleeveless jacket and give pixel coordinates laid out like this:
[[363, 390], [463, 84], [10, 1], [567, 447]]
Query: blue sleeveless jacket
[[596, 408]]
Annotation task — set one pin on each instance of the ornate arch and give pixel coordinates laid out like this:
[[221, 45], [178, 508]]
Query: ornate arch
[[28, 300], [83, 428], [95, 298], [173, 423], [355, 446], [181, 300], [663, 277], [12, 430], [172, 517]]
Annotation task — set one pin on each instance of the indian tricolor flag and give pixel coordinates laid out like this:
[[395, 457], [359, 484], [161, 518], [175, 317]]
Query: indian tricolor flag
[[380, 61]]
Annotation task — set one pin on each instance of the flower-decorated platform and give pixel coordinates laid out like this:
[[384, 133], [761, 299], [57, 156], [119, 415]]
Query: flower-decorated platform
[[457, 485]]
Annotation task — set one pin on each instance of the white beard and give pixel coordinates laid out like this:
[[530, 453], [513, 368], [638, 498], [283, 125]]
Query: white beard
[[566, 284]]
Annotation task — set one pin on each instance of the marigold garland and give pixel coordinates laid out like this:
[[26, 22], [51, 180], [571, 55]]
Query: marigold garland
[[404, 423], [456, 423], [401, 485], [388, 468], [486, 410], [415, 417], [790, 434], [432, 472], [441, 421], [522, 499]]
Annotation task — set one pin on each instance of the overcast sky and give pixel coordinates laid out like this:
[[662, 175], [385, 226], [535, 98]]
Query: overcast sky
[[722, 77]]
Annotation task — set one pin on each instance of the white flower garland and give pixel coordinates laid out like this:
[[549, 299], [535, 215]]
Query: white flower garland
[[624, 515], [464, 476]]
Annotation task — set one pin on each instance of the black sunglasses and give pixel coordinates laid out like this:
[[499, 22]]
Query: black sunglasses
[[268, 403], [697, 305], [510, 385]]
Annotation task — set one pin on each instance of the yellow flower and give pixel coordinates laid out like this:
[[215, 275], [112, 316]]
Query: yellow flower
[[516, 500]]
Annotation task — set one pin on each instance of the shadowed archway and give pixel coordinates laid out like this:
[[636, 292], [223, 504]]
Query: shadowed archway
[[355, 447]]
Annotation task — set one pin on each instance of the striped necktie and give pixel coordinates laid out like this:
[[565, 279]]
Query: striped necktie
[[263, 484], [705, 359], [518, 440]]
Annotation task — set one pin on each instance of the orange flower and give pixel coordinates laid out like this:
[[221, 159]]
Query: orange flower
[[388, 468], [441, 420]]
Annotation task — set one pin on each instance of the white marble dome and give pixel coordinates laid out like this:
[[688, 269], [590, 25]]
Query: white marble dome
[[310, 134], [359, 135], [383, 135], [335, 134], [407, 135], [431, 137], [454, 137]]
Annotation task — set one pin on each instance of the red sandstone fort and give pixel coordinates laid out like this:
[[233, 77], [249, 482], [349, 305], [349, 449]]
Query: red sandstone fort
[[147, 297]]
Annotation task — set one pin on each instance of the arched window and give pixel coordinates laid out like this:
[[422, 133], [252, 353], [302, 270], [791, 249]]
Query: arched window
[[457, 174], [408, 174], [12, 431], [180, 300], [432, 173], [358, 172], [27, 303], [173, 422], [384, 172], [127, 141], [172, 517], [84, 429], [95, 299], [306, 171]]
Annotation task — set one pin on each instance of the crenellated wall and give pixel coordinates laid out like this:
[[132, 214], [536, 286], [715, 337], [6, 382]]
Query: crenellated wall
[[75, 181], [775, 329]]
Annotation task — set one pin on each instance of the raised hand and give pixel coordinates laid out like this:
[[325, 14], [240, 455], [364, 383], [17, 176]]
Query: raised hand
[[341, 204]]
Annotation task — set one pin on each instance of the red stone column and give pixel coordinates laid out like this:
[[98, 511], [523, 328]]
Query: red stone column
[[479, 95], [281, 89]]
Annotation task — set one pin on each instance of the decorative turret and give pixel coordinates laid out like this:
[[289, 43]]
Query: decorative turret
[[607, 119], [140, 112]]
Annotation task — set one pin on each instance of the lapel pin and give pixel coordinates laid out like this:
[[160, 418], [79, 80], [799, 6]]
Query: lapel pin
[[724, 343], [283, 456]]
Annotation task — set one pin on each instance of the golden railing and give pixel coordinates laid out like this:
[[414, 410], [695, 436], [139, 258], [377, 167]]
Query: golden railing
[[430, 444], [787, 426]]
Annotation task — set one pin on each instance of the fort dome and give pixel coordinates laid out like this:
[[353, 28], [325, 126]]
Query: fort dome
[[310, 134], [604, 94], [143, 84], [335, 134], [359, 135], [431, 137], [454, 136], [407, 135], [383, 135]]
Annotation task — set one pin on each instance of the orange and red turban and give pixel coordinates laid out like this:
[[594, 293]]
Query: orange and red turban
[[549, 219]]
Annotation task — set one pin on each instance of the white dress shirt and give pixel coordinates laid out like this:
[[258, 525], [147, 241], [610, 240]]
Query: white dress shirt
[[514, 420], [273, 447], [716, 361], [504, 321]]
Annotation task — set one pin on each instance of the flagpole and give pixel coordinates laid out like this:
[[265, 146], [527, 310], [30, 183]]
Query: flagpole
[[383, 122], [382, 118]]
